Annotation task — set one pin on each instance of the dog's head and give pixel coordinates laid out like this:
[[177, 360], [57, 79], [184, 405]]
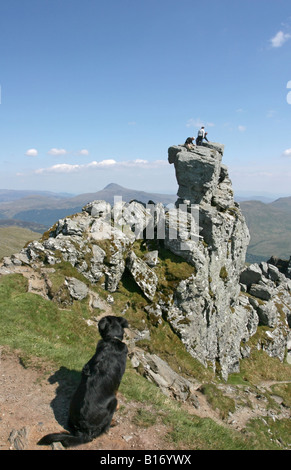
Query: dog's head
[[112, 327]]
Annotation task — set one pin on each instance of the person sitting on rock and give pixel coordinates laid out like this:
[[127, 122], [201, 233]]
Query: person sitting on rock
[[201, 136], [189, 143]]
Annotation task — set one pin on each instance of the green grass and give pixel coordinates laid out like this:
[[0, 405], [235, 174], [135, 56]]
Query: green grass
[[39, 328], [13, 239], [218, 400], [60, 339], [203, 434], [267, 434], [185, 431]]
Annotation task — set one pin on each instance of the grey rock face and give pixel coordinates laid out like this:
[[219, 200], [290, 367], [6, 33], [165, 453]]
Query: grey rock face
[[160, 373], [204, 313], [284, 266], [268, 292], [78, 290], [210, 312], [144, 276], [197, 172], [251, 275]]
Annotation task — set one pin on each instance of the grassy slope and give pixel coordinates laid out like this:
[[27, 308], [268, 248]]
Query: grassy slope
[[53, 337], [61, 338], [13, 238]]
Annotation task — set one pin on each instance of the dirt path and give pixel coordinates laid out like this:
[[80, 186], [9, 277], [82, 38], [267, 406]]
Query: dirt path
[[29, 409], [32, 405]]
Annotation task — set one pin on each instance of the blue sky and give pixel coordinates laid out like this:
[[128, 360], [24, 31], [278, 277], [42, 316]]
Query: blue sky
[[94, 92]]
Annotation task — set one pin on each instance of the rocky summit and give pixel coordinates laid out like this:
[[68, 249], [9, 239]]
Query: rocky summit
[[216, 309]]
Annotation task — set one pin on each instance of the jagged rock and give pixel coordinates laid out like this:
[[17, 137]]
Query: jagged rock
[[197, 173], [274, 343], [251, 275], [151, 258], [203, 310], [133, 215], [155, 313], [97, 208], [267, 312], [96, 263], [261, 290], [283, 265], [274, 273], [70, 227], [77, 289], [114, 268], [160, 373], [145, 277]]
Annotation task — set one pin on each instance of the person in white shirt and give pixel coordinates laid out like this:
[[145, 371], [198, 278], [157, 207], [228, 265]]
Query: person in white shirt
[[201, 136]]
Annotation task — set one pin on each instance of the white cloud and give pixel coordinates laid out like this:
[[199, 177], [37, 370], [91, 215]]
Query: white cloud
[[31, 153], [60, 168], [287, 153], [84, 152], [242, 128], [104, 164], [57, 152], [279, 39]]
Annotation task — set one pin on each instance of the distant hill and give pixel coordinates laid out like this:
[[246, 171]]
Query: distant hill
[[13, 239], [8, 195], [270, 228], [269, 223], [46, 209], [283, 203], [34, 227], [112, 189]]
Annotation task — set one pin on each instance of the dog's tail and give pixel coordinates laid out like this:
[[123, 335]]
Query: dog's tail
[[67, 440]]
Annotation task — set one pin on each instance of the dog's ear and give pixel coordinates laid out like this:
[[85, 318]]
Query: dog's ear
[[123, 322], [103, 324]]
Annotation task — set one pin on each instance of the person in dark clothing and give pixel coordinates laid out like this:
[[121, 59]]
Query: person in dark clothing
[[189, 143], [201, 136]]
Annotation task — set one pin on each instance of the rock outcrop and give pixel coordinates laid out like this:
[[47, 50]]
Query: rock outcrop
[[206, 313], [283, 265], [217, 309]]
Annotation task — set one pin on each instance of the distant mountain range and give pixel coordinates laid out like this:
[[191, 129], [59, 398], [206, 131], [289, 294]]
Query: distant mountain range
[[45, 208], [8, 195], [270, 228], [269, 222]]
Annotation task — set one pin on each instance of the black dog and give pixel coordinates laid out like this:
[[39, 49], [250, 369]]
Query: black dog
[[94, 401]]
